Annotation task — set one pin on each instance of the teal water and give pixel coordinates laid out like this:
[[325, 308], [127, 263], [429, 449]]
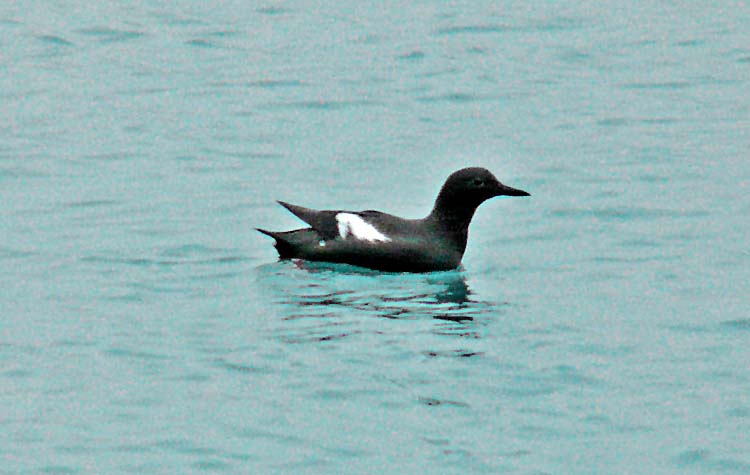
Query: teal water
[[600, 326]]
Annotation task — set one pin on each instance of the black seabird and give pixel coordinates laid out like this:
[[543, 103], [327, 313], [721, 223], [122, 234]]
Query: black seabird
[[385, 242]]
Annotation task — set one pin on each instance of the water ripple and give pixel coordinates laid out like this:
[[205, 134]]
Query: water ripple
[[272, 10], [59, 469], [415, 55], [554, 24], [627, 213], [703, 459], [477, 29], [323, 104], [11, 253], [127, 353], [55, 40], [276, 83], [669, 85], [741, 324], [457, 97], [111, 35], [429, 401], [91, 203], [245, 369], [201, 43]]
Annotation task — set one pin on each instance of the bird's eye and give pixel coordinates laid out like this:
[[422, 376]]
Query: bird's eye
[[478, 182]]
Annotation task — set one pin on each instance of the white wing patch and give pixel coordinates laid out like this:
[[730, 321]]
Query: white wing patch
[[353, 225]]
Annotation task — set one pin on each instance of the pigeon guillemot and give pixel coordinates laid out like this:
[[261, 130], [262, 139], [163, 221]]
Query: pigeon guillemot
[[385, 242]]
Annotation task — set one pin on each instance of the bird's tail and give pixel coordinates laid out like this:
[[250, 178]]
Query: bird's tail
[[285, 248]]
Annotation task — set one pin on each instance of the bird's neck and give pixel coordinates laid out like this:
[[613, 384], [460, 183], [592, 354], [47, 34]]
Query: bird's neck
[[453, 219]]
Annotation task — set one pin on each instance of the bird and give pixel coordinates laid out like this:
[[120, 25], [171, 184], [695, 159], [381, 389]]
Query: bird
[[384, 242]]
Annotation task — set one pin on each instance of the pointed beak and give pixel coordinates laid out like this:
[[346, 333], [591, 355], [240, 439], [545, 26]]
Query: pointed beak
[[505, 190]]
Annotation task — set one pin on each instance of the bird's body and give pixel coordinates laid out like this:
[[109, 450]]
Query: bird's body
[[385, 242]]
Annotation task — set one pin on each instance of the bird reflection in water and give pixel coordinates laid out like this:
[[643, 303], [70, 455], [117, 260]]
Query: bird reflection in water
[[448, 287], [335, 290]]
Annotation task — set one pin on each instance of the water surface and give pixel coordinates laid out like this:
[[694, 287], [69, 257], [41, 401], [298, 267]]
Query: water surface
[[600, 326]]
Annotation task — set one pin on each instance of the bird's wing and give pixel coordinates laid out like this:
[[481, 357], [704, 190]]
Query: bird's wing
[[365, 226]]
